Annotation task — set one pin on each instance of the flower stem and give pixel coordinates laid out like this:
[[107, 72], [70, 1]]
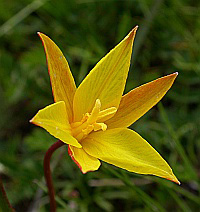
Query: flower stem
[[5, 204], [47, 173]]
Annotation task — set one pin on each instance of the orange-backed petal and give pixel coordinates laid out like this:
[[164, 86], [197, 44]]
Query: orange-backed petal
[[84, 161], [106, 80], [128, 150], [62, 82], [138, 101], [54, 119]]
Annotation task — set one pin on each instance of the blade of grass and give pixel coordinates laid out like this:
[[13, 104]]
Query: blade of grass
[[22, 14], [179, 189], [35, 204], [58, 199], [145, 27], [179, 147], [150, 202], [182, 204]]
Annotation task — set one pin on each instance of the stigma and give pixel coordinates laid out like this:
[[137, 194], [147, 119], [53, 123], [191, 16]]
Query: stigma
[[93, 121]]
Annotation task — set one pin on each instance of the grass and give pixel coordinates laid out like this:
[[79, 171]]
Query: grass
[[168, 40]]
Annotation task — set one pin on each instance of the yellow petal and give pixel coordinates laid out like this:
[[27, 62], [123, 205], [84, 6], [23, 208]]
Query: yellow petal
[[54, 119], [84, 161], [138, 101], [62, 82], [106, 80], [126, 149]]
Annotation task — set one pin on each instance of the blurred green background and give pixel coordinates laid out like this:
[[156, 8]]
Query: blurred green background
[[168, 40]]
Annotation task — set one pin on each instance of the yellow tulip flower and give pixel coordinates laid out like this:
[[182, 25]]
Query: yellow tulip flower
[[93, 118]]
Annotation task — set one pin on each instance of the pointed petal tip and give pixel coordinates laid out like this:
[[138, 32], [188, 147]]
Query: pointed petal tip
[[132, 33], [176, 73], [173, 74], [174, 179], [136, 27], [31, 121], [85, 172], [177, 182], [39, 34]]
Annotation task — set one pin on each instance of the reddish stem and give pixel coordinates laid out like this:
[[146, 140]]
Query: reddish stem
[[47, 173], [4, 195]]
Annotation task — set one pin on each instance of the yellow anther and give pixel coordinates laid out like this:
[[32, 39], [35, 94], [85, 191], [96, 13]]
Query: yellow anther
[[100, 126], [85, 117], [106, 114]]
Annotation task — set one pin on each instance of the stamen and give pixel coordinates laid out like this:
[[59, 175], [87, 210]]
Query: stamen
[[76, 124], [92, 121], [106, 114], [100, 126], [95, 112], [88, 129], [79, 129]]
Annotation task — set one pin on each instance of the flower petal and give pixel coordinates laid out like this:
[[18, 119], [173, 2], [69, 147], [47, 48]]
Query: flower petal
[[84, 161], [106, 80], [128, 150], [54, 119], [63, 85], [138, 101]]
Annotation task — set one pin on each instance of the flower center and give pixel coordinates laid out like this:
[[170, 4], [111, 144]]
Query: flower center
[[92, 121]]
